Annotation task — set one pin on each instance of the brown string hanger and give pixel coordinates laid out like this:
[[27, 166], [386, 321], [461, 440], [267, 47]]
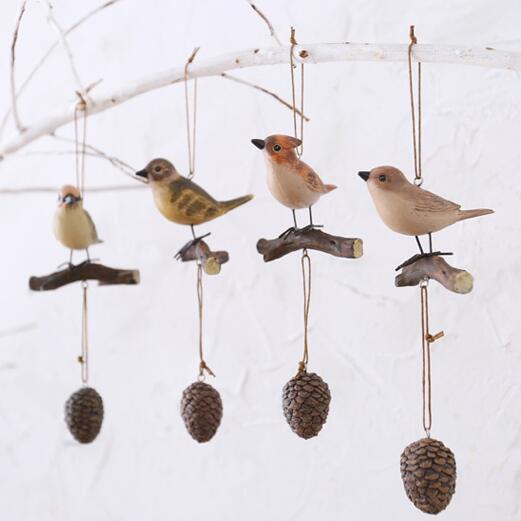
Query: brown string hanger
[[427, 338]]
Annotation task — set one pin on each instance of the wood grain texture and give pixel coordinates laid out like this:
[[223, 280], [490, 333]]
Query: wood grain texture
[[272, 249], [87, 271], [438, 269]]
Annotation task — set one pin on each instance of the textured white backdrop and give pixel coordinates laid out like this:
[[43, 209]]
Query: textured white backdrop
[[365, 333]]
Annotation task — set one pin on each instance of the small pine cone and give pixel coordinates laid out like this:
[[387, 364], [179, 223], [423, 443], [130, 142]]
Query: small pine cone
[[429, 474], [202, 411], [305, 401], [84, 414]]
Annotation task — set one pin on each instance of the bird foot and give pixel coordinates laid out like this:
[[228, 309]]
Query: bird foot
[[309, 227], [419, 256], [288, 232], [179, 255]]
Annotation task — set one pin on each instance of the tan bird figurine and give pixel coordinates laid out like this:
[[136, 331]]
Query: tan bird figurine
[[181, 200], [291, 181], [411, 210], [73, 226]]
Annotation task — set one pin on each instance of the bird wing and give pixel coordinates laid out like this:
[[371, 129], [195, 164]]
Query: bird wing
[[311, 178], [94, 232], [425, 201], [192, 200]]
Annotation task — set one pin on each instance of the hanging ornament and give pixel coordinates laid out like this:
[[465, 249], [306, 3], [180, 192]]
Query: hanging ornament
[[408, 209], [306, 397], [182, 201], [427, 466], [84, 408], [201, 404]]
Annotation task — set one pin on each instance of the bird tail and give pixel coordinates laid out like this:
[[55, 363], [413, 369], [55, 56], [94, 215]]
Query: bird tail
[[469, 214], [329, 188], [234, 203]]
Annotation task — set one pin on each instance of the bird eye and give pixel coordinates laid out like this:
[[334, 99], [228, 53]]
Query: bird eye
[[277, 148], [157, 169], [382, 178]]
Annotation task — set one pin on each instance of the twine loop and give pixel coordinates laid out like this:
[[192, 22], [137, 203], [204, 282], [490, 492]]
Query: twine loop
[[80, 143], [427, 340], [416, 128], [305, 264], [202, 364], [190, 134], [293, 43]]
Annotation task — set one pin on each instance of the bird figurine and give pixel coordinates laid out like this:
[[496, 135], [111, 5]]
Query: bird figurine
[[182, 201], [291, 181], [73, 226], [411, 210]]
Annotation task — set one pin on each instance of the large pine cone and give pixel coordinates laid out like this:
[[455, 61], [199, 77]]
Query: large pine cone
[[202, 411], [429, 474], [305, 401], [84, 414]]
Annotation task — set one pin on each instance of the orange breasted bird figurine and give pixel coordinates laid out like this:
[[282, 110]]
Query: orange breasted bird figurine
[[291, 181], [181, 200], [411, 210]]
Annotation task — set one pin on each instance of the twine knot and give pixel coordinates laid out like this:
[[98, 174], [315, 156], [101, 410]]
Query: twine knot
[[203, 367]]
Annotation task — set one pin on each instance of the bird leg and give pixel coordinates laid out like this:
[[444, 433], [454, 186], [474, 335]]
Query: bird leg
[[69, 264], [189, 244], [422, 254], [291, 230], [310, 226]]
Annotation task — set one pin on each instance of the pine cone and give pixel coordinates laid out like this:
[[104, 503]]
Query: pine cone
[[84, 414], [305, 401], [429, 474], [202, 411]]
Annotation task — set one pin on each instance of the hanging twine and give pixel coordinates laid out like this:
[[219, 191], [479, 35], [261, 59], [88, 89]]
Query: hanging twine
[[79, 144], [202, 364], [293, 42], [416, 129], [190, 134], [427, 340], [83, 359], [305, 264]]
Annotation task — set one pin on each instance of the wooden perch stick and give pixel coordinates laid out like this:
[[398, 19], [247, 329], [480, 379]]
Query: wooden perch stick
[[438, 269], [313, 240], [210, 260], [86, 271], [304, 53]]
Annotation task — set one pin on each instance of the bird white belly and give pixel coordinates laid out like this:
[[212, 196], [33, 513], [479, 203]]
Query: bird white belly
[[289, 188], [73, 229]]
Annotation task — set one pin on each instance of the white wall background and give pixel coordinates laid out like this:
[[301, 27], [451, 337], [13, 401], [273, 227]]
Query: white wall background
[[365, 336]]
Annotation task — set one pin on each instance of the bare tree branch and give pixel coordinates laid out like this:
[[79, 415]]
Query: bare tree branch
[[266, 20], [262, 89], [14, 107], [308, 54], [48, 52], [65, 45]]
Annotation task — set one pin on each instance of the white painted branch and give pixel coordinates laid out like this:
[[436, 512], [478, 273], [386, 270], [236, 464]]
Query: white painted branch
[[313, 53]]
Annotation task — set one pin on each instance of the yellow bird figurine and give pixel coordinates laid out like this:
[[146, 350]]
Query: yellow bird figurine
[[73, 226], [181, 200]]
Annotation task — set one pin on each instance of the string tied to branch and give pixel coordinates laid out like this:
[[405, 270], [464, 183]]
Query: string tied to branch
[[190, 129], [292, 66], [416, 125]]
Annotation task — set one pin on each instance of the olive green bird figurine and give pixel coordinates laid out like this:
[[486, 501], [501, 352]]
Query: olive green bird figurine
[[182, 201]]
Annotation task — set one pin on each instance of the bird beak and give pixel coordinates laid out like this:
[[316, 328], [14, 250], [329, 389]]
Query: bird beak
[[142, 173], [259, 143], [70, 199], [364, 175]]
